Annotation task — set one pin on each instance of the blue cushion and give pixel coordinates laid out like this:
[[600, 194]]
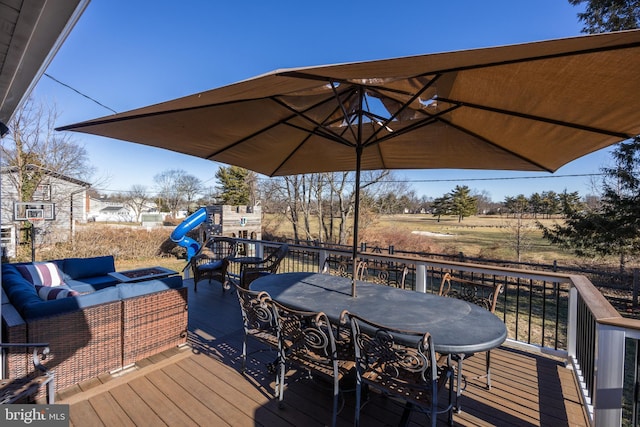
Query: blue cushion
[[210, 266], [18, 289], [136, 289], [84, 287], [50, 308], [99, 282], [78, 268]]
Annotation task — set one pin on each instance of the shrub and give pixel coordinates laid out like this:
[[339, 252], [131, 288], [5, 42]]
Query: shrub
[[399, 239], [126, 243]]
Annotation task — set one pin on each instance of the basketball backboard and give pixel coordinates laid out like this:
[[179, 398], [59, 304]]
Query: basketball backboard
[[23, 211]]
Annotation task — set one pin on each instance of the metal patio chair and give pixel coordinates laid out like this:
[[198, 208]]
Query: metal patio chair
[[308, 340], [212, 262], [251, 270], [481, 294], [341, 266], [400, 364], [384, 273], [259, 323]]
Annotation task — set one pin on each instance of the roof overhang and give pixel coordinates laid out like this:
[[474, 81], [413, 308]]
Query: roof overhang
[[31, 32]]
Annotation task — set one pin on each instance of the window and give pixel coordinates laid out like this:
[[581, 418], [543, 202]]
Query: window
[[42, 193]]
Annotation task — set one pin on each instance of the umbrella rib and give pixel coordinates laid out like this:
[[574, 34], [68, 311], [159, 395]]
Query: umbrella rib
[[487, 141], [537, 118], [404, 105], [336, 96], [300, 75], [284, 121], [319, 129], [115, 119], [431, 118], [241, 140], [291, 154]]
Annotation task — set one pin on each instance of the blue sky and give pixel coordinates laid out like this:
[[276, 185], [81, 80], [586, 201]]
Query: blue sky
[[128, 54]]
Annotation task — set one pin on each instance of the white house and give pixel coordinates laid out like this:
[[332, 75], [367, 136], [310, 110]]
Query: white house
[[103, 210], [65, 196]]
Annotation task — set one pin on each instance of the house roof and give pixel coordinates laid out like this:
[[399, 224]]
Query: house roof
[[48, 172], [112, 209], [31, 32]]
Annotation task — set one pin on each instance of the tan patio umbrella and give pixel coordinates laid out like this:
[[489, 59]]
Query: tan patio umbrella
[[533, 107]]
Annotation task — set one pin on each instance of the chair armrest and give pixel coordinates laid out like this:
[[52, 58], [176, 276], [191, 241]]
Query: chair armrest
[[249, 264], [36, 358], [15, 389], [23, 345]]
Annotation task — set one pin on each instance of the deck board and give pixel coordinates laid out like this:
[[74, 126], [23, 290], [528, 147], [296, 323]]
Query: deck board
[[107, 406], [201, 384]]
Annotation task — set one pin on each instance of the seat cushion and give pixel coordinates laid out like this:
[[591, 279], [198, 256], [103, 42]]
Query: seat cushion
[[210, 266]]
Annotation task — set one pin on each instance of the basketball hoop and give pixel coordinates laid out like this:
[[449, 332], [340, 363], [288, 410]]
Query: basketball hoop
[[35, 217], [36, 212]]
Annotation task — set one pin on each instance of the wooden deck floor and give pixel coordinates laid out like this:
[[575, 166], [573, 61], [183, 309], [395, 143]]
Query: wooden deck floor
[[200, 384]]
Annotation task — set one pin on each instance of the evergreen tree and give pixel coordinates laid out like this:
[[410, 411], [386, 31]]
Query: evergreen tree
[[234, 186], [570, 202], [441, 206], [535, 204], [601, 16], [462, 204], [613, 228], [550, 203]]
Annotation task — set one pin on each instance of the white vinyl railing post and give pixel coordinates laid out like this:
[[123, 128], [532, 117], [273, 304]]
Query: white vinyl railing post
[[572, 323], [259, 248], [421, 277], [609, 376], [322, 257]]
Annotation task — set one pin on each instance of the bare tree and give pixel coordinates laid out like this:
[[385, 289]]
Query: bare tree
[[521, 233], [483, 201], [137, 199], [252, 181], [293, 194], [33, 142], [190, 187], [330, 197], [168, 189]]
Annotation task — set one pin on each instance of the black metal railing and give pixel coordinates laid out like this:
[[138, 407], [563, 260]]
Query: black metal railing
[[558, 313], [586, 343]]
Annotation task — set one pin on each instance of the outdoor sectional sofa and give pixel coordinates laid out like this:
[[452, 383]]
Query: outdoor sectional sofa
[[93, 323]]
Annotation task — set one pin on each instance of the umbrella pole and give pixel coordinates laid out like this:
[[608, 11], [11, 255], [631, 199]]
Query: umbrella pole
[[356, 215]]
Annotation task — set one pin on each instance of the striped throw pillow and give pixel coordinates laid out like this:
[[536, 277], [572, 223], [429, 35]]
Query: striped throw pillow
[[48, 293], [41, 273]]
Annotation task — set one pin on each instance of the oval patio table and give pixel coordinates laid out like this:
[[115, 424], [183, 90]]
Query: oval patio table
[[457, 326]]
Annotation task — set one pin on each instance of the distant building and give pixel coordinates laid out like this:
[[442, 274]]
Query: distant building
[[65, 195], [103, 210], [243, 222]]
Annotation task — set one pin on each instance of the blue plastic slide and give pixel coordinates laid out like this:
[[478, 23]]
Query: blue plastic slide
[[179, 234]]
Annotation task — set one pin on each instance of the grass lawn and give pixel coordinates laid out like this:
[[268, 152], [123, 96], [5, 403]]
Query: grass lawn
[[486, 236]]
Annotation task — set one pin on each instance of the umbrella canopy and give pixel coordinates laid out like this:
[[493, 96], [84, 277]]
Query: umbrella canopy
[[533, 107]]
